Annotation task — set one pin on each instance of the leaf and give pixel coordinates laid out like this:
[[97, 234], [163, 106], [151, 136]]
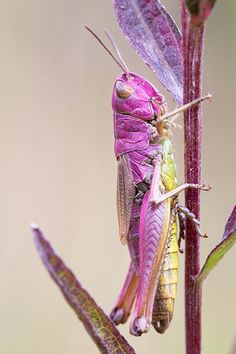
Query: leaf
[[230, 226], [155, 37], [101, 329], [229, 238], [200, 9]]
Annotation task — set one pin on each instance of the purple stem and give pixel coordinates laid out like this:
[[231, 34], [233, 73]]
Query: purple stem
[[193, 39]]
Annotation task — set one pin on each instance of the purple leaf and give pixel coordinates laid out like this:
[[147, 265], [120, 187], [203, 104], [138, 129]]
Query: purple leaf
[[229, 238], [101, 329], [155, 37], [230, 227], [200, 9]]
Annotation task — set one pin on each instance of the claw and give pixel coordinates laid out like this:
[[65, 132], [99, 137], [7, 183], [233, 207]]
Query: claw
[[202, 235], [139, 326], [161, 325], [205, 187], [117, 315]]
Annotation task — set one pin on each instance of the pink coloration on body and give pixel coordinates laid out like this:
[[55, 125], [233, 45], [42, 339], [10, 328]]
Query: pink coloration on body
[[152, 228], [137, 104], [135, 96]]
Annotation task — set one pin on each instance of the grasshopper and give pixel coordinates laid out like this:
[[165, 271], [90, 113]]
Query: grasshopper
[[147, 201]]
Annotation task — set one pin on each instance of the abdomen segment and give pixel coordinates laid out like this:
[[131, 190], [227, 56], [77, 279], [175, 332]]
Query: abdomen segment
[[167, 285]]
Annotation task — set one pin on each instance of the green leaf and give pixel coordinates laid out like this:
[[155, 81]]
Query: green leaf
[[229, 238], [101, 329]]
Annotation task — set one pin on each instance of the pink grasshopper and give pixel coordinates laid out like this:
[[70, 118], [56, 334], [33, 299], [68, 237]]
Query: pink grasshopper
[[146, 200]]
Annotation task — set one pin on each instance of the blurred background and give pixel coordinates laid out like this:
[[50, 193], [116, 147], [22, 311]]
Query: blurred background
[[58, 170]]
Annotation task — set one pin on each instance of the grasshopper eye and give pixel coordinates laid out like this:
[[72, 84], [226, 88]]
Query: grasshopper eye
[[122, 90]]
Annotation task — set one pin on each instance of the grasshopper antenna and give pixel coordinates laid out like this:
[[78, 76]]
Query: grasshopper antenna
[[120, 64], [113, 43]]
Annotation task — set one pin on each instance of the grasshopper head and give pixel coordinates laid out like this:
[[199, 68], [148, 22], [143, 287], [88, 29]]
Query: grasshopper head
[[133, 95]]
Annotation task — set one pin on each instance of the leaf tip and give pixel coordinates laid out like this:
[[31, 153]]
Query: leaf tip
[[39, 240], [34, 227], [35, 231]]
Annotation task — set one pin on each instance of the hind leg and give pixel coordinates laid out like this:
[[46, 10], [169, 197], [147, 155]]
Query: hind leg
[[124, 303]]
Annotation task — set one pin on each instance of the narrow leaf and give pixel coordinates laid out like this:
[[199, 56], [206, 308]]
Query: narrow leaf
[[101, 329], [229, 238], [230, 226], [200, 9], [155, 37]]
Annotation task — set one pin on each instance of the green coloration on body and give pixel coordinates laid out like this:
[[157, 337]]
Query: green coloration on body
[[167, 284], [168, 168]]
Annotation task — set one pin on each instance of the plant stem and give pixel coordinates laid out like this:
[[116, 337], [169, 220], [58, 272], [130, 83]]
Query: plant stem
[[193, 38]]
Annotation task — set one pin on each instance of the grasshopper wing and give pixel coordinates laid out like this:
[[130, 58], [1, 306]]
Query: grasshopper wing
[[125, 196]]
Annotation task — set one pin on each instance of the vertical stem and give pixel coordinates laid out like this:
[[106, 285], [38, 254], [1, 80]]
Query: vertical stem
[[192, 54]]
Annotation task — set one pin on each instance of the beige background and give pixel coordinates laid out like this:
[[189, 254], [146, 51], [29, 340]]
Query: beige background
[[58, 170]]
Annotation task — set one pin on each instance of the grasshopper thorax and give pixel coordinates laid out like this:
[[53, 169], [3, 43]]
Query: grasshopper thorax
[[135, 96]]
